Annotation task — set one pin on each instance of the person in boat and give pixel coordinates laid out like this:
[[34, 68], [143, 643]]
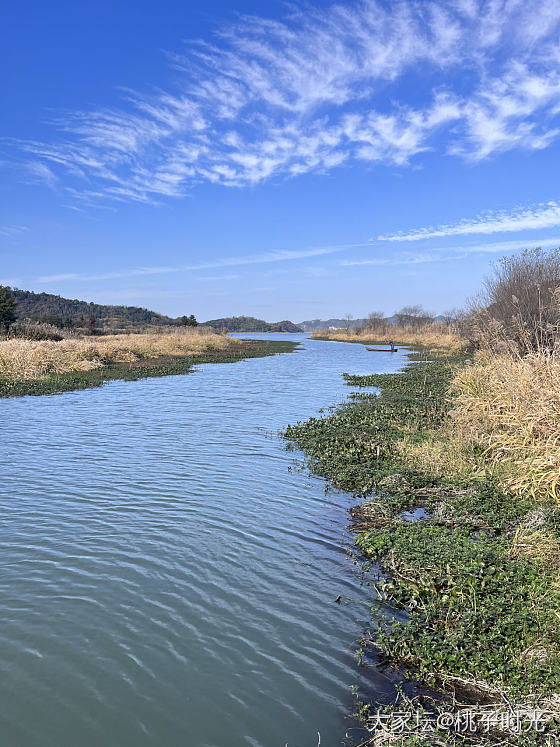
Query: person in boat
[[392, 344]]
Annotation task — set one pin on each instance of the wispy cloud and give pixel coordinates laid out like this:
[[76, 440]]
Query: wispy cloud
[[406, 258], [251, 259], [502, 247], [541, 216], [324, 87], [452, 253], [218, 278], [39, 172], [442, 254], [12, 232]]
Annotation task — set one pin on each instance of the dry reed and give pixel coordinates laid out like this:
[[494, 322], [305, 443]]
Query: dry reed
[[31, 359], [434, 336], [511, 406]]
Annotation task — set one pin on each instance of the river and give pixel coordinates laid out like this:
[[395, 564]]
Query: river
[[167, 572]]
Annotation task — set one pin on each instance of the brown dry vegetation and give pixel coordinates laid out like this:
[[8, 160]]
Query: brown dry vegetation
[[434, 336], [511, 406], [505, 421], [30, 359]]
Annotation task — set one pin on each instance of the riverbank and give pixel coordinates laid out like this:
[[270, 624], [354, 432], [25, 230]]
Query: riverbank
[[128, 359], [467, 553], [435, 336]]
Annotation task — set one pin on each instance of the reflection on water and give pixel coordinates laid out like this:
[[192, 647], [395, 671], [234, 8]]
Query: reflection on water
[[165, 578]]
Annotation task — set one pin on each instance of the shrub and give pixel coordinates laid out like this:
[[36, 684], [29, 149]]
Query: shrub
[[30, 331], [519, 309]]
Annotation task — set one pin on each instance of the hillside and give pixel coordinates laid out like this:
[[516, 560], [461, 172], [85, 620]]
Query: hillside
[[250, 324], [71, 312], [46, 307]]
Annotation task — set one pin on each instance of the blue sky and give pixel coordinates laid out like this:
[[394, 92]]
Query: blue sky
[[281, 160]]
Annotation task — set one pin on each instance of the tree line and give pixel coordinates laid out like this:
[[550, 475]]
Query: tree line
[[63, 313]]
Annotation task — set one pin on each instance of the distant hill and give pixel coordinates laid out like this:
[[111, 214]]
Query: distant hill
[[285, 326], [250, 324], [48, 307]]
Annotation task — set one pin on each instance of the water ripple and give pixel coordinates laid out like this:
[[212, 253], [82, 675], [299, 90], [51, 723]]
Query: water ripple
[[166, 579]]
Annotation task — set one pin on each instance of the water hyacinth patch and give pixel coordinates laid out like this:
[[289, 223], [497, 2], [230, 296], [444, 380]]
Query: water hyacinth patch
[[474, 581]]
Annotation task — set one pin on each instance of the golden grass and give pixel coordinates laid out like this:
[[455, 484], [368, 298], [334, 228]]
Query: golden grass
[[433, 336], [505, 422], [443, 454], [507, 404], [29, 359], [511, 406], [537, 544]]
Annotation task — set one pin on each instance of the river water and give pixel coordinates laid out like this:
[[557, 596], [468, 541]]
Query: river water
[[167, 574]]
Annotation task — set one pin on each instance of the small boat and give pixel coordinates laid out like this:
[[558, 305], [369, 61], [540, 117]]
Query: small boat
[[382, 350]]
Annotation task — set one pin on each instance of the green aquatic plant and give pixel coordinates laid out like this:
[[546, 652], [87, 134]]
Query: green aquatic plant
[[165, 366], [472, 584]]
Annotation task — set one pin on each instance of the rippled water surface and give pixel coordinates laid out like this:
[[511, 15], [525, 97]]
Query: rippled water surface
[[165, 578]]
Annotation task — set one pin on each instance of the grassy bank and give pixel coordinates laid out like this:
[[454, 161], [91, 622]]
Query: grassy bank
[[35, 368], [469, 592], [31, 359], [436, 336]]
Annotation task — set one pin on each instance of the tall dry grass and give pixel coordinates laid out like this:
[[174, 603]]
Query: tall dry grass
[[436, 336], [511, 406], [31, 359]]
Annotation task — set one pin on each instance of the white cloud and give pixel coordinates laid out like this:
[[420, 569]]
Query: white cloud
[[12, 232], [39, 172], [251, 259], [217, 278], [500, 247], [453, 253], [541, 216], [502, 114], [324, 87], [406, 258]]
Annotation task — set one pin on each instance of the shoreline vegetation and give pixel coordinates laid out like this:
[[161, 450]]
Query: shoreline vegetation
[[454, 462], [455, 466], [31, 367], [436, 336]]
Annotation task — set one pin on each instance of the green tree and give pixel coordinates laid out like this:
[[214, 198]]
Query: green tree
[[7, 307], [55, 320], [188, 321]]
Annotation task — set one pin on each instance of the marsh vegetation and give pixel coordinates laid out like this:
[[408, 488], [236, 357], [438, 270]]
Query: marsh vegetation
[[469, 433], [31, 359], [46, 366]]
